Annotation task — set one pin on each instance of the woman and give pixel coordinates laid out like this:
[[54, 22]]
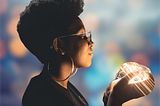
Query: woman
[[53, 32]]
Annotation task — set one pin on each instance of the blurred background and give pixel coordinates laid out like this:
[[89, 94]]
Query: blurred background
[[123, 31]]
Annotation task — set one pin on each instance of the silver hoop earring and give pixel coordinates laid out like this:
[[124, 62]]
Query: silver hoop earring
[[71, 74], [73, 68]]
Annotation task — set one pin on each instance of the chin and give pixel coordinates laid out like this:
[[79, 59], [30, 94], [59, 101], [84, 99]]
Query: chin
[[85, 65], [89, 64]]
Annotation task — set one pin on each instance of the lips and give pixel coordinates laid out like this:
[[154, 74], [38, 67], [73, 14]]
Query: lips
[[90, 53]]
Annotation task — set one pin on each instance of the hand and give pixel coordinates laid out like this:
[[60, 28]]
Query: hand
[[108, 91], [122, 91]]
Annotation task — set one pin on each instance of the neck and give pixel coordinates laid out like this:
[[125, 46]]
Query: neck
[[60, 73]]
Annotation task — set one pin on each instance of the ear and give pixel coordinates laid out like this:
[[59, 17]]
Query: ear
[[57, 44]]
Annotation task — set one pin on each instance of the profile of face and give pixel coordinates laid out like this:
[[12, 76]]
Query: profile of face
[[78, 47], [80, 50]]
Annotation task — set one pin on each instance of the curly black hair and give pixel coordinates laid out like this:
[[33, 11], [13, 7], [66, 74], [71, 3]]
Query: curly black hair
[[43, 20], [64, 7]]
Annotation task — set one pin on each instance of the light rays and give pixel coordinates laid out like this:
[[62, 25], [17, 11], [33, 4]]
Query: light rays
[[143, 82]]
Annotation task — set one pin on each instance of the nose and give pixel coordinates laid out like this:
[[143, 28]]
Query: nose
[[92, 44]]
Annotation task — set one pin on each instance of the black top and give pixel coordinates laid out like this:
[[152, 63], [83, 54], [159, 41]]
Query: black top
[[43, 91]]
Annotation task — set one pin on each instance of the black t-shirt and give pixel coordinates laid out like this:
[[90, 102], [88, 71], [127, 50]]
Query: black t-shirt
[[43, 91]]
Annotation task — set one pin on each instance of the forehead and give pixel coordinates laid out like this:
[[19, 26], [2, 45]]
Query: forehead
[[75, 26]]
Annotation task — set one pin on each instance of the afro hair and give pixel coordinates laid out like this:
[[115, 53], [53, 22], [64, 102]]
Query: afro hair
[[43, 20]]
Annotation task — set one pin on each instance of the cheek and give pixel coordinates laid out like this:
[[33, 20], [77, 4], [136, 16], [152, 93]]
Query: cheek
[[83, 59]]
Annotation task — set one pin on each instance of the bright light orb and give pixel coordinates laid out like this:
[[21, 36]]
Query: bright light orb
[[143, 80], [126, 68]]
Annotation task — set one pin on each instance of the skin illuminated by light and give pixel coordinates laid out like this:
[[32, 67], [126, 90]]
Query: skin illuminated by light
[[140, 79]]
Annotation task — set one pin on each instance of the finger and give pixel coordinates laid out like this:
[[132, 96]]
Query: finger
[[113, 83]]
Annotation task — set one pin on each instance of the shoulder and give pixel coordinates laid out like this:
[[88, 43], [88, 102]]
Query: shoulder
[[39, 91], [76, 92], [36, 85]]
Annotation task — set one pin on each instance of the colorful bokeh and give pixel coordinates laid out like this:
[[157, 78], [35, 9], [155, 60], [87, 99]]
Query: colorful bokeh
[[122, 30]]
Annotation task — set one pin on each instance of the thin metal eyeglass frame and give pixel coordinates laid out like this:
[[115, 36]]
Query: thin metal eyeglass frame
[[88, 37]]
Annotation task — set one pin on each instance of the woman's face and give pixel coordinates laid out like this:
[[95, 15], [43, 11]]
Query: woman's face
[[80, 50]]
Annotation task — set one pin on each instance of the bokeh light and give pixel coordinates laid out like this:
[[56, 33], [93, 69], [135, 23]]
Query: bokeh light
[[18, 87], [135, 42], [122, 30], [112, 48], [117, 60], [17, 48], [3, 6], [140, 58], [12, 27], [2, 49], [90, 21]]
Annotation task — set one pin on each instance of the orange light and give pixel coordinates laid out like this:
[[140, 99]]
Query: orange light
[[12, 27], [17, 48], [139, 78], [143, 81], [129, 67]]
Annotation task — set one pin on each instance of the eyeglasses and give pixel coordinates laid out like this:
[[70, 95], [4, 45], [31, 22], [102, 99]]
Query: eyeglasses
[[86, 36]]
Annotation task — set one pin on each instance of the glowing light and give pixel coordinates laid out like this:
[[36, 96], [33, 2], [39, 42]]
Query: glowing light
[[132, 66], [17, 48], [12, 27], [139, 78], [12, 23], [143, 80]]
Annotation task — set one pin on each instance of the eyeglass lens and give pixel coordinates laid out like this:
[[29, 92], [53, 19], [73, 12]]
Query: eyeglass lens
[[89, 38]]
